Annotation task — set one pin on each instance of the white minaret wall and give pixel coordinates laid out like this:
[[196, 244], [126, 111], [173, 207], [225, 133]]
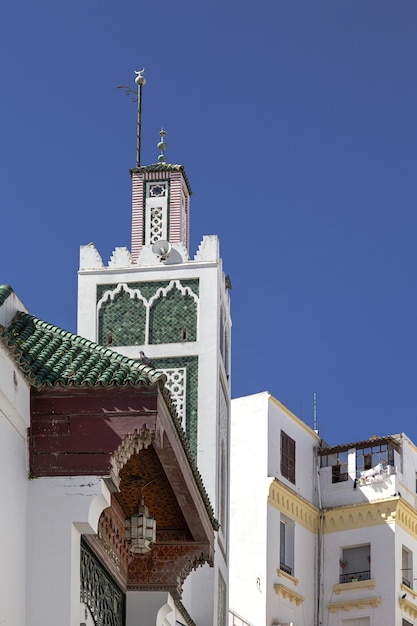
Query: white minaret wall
[[202, 588]]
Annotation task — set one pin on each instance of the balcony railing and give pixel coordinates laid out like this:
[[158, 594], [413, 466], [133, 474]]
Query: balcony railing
[[355, 576], [407, 583], [286, 568]]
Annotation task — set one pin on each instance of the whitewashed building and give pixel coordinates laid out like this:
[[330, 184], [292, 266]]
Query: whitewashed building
[[105, 514], [319, 534]]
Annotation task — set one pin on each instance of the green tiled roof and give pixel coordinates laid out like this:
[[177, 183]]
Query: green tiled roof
[[163, 167], [5, 291], [51, 356]]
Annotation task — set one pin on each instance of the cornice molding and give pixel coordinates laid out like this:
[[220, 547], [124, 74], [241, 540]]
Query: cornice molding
[[361, 515], [293, 506], [286, 592], [408, 607], [292, 579], [406, 589], [347, 605], [359, 584], [407, 517], [393, 510]]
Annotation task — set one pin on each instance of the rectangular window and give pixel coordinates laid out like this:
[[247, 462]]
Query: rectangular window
[[407, 567], [287, 457], [373, 456], [286, 545], [338, 463], [355, 564]]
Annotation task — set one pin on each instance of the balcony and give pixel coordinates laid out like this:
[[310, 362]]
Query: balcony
[[407, 583], [285, 568], [355, 576]]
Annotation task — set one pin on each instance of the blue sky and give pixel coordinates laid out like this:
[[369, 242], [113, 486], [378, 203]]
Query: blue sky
[[296, 122]]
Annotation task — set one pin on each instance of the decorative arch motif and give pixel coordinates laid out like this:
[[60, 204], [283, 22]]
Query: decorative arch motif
[[147, 313], [132, 444], [173, 314]]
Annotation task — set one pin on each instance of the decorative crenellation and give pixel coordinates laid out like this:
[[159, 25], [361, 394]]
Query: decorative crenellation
[[287, 593], [347, 605]]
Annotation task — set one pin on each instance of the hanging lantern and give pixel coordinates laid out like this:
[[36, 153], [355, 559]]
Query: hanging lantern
[[141, 530]]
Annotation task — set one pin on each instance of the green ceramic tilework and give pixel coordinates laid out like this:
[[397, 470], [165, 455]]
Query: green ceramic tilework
[[173, 318], [51, 356], [221, 601], [122, 321], [191, 364], [5, 291]]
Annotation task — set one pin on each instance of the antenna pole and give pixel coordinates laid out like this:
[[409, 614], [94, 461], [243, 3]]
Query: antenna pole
[[315, 411], [140, 80]]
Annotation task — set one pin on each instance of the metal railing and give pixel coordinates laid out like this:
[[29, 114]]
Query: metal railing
[[286, 568], [407, 583], [352, 577]]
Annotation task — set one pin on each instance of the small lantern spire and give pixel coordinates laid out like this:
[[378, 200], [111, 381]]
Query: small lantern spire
[[162, 146]]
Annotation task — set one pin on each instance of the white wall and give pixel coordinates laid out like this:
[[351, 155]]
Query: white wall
[[14, 420], [58, 511]]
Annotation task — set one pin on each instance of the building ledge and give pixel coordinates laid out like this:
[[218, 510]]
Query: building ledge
[[358, 584], [292, 579], [347, 605], [406, 589], [286, 592], [408, 607]]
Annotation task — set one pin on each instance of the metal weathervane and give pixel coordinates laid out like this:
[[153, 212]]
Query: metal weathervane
[[140, 80]]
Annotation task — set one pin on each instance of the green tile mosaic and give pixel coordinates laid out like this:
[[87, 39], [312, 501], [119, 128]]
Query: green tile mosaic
[[221, 601], [191, 364], [122, 321], [173, 318]]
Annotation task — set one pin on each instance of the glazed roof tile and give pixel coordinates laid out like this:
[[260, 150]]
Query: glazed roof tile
[[51, 356], [163, 167], [5, 291]]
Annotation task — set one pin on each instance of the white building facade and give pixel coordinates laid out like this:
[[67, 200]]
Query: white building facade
[[319, 534]]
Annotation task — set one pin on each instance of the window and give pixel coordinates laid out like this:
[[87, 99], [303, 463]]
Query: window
[[355, 563], [407, 568], [367, 458], [338, 463], [286, 545], [406, 623], [287, 457]]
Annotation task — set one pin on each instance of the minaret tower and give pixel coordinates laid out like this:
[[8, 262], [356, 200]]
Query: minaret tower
[[155, 298]]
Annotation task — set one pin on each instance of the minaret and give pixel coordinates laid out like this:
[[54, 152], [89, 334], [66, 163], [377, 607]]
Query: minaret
[[176, 309]]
